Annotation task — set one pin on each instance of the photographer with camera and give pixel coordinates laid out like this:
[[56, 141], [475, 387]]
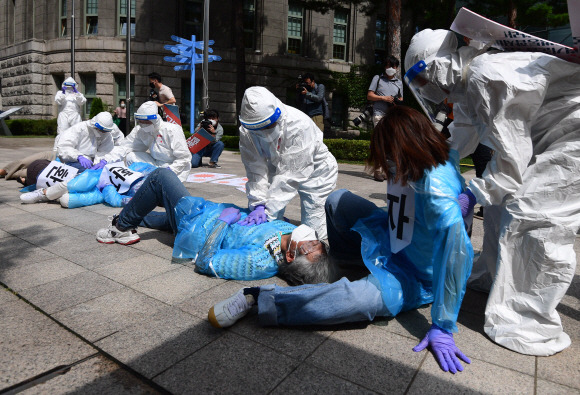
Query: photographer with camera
[[386, 90], [210, 123], [310, 99]]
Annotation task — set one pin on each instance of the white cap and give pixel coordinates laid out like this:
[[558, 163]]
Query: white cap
[[103, 121], [69, 82], [260, 108], [430, 44]]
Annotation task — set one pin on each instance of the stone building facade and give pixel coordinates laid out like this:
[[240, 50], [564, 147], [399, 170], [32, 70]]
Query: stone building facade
[[282, 41]]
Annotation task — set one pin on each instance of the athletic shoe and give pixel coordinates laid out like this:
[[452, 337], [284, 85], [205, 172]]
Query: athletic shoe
[[214, 166], [33, 197], [227, 312], [112, 235]]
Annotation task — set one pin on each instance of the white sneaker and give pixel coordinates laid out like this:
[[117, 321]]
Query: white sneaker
[[227, 312], [112, 235], [33, 197]]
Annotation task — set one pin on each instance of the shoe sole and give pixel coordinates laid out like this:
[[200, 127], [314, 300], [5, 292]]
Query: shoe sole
[[212, 319], [113, 241]]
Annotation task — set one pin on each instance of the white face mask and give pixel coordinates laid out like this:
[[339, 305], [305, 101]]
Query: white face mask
[[213, 122], [123, 105], [390, 71], [302, 233]]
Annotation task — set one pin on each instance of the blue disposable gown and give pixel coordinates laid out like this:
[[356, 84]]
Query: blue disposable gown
[[232, 251], [435, 265]]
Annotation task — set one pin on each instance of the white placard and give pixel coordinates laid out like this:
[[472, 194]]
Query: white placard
[[401, 205], [118, 175], [479, 28], [55, 172], [206, 177]]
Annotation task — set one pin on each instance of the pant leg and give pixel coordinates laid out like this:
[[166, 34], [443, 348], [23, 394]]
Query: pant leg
[[18, 168], [161, 188], [343, 209], [156, 220], [196, 158], [318, 121], [215, 151], [57, 190], [321, 304], [537, 261], [313, 194]]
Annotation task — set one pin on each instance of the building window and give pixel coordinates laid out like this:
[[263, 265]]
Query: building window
[[340, 34], [91, 17], [121, 90], [63, 20], [249, 23], [380, 40], [295, 23], [193, 19], [123, 18], [89, 87]]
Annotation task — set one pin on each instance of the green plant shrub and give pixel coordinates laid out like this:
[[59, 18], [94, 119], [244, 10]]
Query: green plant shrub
[[32, 127], [97, 106], [231, 142], [351, 150]]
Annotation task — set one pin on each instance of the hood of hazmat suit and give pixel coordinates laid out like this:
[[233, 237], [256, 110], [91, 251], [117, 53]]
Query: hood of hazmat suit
[[283, 153], [226, 251], [526, 107], [148, 111]]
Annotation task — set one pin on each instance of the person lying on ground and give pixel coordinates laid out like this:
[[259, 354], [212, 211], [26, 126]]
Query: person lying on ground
[[208, 235]]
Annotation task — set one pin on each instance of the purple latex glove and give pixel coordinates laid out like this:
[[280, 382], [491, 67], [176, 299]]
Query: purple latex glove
[[99, 165], [64, 89], [75, 89], [466, 202], [256, 217], [86, 163], [443, 348], [230, 215]]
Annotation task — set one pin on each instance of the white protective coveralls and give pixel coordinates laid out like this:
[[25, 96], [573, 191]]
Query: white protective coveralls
[[164, 141], [526, 107], [87, 140], [69, 105], [285, 159]]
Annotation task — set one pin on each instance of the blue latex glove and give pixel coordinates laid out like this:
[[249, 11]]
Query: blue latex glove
[[86, 163], [99, 165], [443, 348], [466, 202], [230, 215], [256, 217]]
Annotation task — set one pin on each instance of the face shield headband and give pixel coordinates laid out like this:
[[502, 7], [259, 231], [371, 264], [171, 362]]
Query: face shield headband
[[265, 123], [428, 95], [103, 128], [140, 117]]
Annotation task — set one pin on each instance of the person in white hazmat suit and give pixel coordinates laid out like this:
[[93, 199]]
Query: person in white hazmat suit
[[284, 155], [526, 107], [156, 142], [69, 101], [88, 145]]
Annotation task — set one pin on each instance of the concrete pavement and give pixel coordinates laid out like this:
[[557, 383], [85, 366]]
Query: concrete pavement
[[79, 316]]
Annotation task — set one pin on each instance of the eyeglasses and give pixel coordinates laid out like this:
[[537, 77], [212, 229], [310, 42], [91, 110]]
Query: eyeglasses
[[309, 247]]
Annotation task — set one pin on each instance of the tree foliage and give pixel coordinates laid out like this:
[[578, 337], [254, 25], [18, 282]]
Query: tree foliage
[[96, 107], [549, 13]]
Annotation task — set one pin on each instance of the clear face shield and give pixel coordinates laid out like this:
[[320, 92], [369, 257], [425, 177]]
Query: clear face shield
[[429, 96], [103, 128]]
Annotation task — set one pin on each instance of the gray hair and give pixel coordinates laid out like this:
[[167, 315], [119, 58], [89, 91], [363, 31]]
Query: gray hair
[[302, 271]]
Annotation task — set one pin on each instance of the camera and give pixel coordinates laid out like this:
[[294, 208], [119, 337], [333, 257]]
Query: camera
[[300, 85], [366, 114], [205, 123], [152, 95]]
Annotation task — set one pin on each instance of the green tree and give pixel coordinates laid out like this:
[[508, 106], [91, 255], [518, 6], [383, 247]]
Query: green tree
[[97, 106], [522, 13]]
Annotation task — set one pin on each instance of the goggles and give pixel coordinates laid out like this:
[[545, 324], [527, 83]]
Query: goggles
[[103, 128], [309, 247], [263, 124]]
